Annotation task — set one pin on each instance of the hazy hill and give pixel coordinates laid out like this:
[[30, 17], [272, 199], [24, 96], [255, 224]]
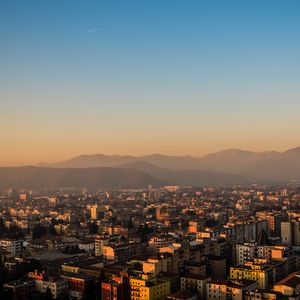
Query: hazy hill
[[224, 161], [101, 160], [148, 168], [234, 160], [264, 166], [134, 175], [217, 167], [173, 162], [187, 177], [91, 161], [283, 167], [35, 177]]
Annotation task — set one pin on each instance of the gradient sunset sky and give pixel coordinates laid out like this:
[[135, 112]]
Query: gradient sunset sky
[[139, 77]]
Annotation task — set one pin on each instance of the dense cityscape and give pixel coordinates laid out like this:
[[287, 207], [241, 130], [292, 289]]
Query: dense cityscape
[[211, 242]]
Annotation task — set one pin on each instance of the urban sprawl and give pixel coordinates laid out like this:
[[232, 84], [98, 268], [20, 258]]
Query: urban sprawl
[[175, 243]]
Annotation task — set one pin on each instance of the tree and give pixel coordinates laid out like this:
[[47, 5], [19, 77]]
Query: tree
[[64, 296], [2, 228], [38, 231], [15, 231], [93, 227], [7, 295], [211, 223], [123, 239], [51, 230]]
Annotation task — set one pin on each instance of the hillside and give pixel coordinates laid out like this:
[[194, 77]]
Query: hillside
[[35, 177]]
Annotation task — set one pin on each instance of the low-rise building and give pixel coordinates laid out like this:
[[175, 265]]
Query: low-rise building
[[195, 283], [12, 246], [148, 286], [289, 286], [262, 273], [57, 286], [227, 289]]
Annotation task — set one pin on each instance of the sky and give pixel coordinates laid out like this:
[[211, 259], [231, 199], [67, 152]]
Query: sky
[[178, 77]]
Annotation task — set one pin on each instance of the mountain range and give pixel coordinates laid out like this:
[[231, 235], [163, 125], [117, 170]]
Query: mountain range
[[270, 165], [232, 166]]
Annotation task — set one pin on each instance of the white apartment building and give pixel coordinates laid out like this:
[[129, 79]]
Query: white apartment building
[[57, 286], [12, 246]]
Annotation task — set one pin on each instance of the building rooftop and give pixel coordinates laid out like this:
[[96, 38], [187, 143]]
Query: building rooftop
[[52, 256]]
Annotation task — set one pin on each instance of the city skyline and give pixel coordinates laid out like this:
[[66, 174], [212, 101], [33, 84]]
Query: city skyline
[[140, 78]]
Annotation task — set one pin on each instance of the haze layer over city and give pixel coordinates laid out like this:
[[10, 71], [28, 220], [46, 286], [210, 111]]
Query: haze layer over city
[[149, 150]]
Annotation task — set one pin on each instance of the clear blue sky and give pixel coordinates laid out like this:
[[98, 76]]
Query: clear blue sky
[[169, 76]]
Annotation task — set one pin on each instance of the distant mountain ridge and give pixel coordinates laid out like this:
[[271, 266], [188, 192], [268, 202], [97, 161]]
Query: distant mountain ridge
[[101, 160], [187, 177], [236, 164], [234, 160]]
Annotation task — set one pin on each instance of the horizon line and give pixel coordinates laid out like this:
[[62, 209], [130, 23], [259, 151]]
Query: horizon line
[[40, 164]]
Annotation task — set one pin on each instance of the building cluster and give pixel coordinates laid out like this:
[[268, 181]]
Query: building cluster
[[175, 243]]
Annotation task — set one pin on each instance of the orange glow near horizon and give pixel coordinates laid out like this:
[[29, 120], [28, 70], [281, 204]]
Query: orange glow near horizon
[[189, 80], [20, 154]]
